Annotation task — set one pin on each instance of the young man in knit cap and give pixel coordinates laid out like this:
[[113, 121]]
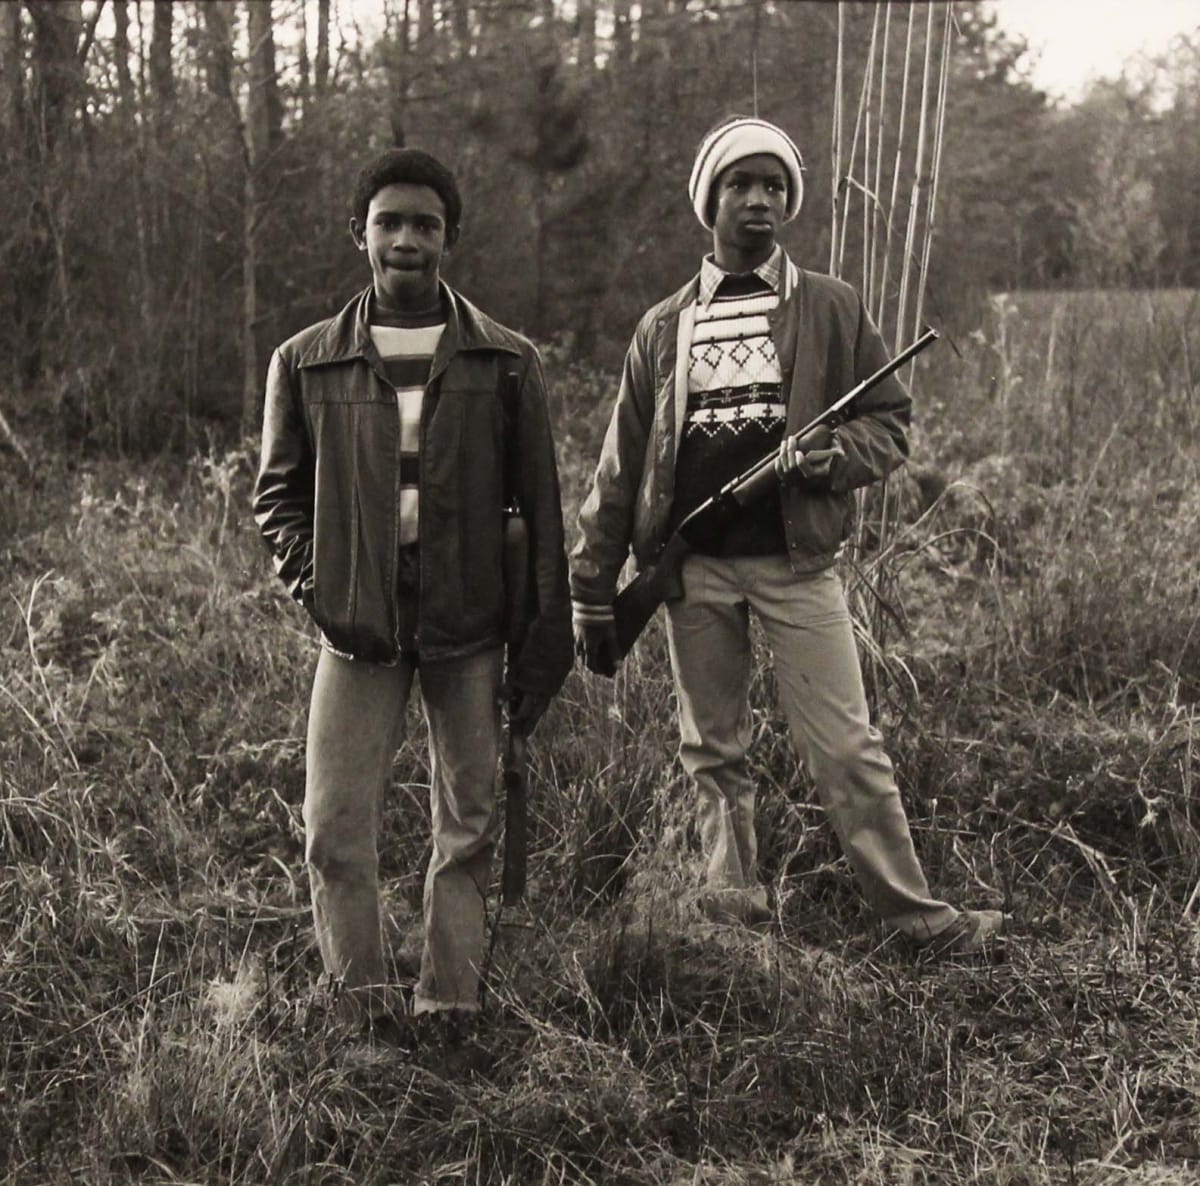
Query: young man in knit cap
[[387, 435], [718, 375]]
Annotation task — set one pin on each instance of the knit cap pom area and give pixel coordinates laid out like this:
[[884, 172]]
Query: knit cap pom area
[[734, 141]]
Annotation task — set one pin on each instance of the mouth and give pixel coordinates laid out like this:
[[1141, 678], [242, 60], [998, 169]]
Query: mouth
[[758, 226]]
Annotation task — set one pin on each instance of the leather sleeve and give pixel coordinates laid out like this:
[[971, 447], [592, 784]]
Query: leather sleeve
[[606, 518], [283, 491], [547, 652]]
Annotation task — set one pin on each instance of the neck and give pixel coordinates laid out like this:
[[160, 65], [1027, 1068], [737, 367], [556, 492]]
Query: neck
[[734, 258], [420, 300]]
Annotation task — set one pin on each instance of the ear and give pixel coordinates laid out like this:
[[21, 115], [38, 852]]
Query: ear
[[452, 236], [357, 234]]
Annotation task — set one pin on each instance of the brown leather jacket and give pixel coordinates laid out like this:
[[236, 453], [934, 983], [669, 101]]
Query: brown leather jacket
[[826, 343], [327, 494]]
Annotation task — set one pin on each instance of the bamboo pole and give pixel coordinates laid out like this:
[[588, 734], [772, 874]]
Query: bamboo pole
[[893, 202], [869, 197], [859, 118], [836, 151], [915, 194], [877, 185], [878, 118], [936, 171]]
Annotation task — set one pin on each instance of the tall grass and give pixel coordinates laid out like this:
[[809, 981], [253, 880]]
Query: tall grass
[[164, 1019]]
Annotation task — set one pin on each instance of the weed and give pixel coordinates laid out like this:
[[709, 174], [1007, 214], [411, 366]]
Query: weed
[[164, 1019]]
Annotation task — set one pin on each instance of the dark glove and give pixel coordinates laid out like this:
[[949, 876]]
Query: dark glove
[[525, 710], [596, 646]]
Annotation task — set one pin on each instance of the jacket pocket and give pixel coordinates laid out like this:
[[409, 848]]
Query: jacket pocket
[[817, 524]]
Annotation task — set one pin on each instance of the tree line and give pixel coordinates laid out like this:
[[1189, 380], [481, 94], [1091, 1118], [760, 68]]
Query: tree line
[[178, 175]]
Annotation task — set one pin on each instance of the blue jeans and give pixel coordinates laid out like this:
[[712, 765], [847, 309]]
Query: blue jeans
[[811, 639], [355, 725]]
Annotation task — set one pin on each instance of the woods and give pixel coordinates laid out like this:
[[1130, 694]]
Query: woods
[[178, 173]]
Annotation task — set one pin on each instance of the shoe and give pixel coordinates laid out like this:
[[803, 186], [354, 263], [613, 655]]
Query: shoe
[[736, 907], [406, 964], [974, 932], [386, 1029], [452, 1035]]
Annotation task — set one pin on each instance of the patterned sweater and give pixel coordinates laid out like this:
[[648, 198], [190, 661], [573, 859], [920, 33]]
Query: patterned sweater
[[735, 410]]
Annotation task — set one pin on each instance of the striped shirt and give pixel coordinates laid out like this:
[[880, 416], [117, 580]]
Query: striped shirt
[[406, 345]]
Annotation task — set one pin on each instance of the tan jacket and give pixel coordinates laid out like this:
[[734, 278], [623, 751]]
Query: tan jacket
[[826, 343]]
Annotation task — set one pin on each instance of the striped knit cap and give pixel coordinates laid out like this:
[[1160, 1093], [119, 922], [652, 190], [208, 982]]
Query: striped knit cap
[[734, 141]]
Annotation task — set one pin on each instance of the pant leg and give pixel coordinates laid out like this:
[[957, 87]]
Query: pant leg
[[811, 636], [462, 710], [355, 723], [708, 632]]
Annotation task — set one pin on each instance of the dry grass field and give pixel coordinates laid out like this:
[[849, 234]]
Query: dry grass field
[[161, 1016]]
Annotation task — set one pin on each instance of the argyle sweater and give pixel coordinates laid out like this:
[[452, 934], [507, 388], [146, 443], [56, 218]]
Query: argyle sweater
[[406, 344], [735, 410]]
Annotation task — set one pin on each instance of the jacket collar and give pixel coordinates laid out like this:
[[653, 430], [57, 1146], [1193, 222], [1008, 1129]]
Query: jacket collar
[[347, 335], [789, 279], [771, 272]]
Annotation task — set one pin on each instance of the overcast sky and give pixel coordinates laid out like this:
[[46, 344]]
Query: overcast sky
[[1072, 40], [1077, 39]]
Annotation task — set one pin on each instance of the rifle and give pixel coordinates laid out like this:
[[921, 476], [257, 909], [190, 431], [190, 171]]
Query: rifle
[[704, 528], [516, 596]]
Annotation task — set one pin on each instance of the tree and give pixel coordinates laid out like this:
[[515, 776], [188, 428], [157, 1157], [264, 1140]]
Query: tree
[[12, 77], [1177, 168], [162, 70], [1118, 239], [571, 125], [264, 131]]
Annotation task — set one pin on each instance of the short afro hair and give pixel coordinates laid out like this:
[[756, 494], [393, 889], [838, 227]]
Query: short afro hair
[[408, 166]]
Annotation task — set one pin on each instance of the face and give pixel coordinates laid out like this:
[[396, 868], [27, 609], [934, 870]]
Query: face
[[405, 237], [751, 197]]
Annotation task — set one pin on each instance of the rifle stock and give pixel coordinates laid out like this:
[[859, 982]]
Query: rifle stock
[[518, 613], [516, 583], [638, 602], [662, 581]]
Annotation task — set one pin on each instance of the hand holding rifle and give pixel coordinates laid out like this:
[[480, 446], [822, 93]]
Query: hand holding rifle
[[806, 459], [597, 648]]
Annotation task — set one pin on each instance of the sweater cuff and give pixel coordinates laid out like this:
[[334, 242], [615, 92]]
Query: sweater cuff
[[586, 614]]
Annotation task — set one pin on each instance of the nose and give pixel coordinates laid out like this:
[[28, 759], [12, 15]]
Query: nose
[[405, 238], [758, 197]]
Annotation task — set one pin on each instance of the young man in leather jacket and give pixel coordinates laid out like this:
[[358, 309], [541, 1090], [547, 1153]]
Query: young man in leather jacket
[[747, 352], [380, 493]]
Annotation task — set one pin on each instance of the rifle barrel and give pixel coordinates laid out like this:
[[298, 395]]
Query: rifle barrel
[[926, 339]]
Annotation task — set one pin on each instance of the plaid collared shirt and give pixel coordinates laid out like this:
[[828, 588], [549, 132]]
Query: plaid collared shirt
[[770, 271]]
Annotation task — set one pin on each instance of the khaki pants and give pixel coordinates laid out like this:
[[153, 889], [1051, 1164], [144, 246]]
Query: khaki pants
[[811, 639], [355, 725]]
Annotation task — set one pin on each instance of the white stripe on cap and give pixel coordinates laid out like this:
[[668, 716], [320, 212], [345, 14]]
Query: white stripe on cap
[[734, 141]]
